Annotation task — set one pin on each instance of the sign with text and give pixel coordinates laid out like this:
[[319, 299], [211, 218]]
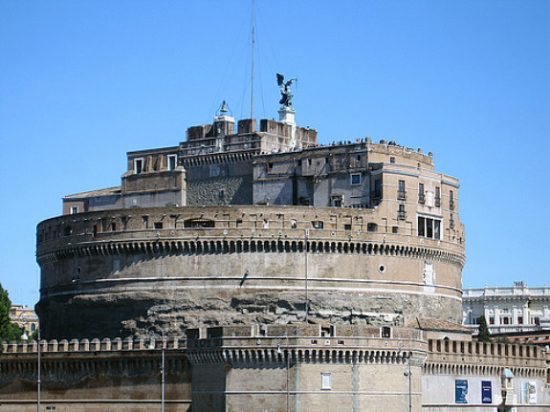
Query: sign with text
[[486, 392], [461, 391]]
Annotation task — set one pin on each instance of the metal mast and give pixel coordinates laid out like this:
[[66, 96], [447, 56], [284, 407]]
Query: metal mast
[[253, 46]]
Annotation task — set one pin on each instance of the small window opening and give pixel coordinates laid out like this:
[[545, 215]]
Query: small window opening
[[172, 162], [355, 179], [158, 225], [326, 381], [386, 332], [337, 200], [74, 210], [138, 166], [317, 224], [401, 214], [372, 227]]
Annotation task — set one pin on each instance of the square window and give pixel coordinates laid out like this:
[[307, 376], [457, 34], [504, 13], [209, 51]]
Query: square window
[[356, 179], [326, 381], [158, 225], [317, 224], [337, 200]]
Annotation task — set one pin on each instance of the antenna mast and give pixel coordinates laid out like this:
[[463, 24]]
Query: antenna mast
[[253, 44]]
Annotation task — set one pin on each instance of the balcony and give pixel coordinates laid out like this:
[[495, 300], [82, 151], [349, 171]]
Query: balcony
[[421, 198], [401, 215], [401, 195], [452, 204], [437, 202]]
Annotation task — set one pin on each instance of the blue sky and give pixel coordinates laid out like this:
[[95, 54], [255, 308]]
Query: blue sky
[[82, 83]]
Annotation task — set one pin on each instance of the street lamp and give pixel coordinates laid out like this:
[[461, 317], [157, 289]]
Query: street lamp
[[280, 352], [408, 374], [38, 372], [152, 346]]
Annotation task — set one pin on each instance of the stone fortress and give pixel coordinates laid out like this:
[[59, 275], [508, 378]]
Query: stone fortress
[[275, 274], [255, 227]]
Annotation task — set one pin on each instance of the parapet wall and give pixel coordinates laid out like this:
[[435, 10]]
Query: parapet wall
[[95, 345]]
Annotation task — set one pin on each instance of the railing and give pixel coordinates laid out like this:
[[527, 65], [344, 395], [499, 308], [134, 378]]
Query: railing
[[421, 198], [401, 195]]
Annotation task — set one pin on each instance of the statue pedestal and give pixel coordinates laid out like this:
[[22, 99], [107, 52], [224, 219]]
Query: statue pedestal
[[287, 115]]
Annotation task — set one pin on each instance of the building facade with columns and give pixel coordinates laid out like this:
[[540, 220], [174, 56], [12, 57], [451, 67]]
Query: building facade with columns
[[511, 309]]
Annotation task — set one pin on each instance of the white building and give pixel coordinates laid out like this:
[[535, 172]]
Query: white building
[[508, 309]]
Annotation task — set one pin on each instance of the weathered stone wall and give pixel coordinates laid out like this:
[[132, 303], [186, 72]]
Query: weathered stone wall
[[220, 183], [282, 368], [228, 265]]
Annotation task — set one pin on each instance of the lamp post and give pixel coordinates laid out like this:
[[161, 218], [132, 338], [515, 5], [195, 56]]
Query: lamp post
[[280, 352], [162, 385], [306, 238], [38, 373], [408, 375]]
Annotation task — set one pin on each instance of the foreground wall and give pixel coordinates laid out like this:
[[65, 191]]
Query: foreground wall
[[278, 368], [475, 376], [94, 376]]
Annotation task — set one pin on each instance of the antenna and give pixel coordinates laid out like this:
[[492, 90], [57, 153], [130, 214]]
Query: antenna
[[252, 45]]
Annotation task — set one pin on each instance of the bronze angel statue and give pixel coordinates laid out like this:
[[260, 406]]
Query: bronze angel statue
[[286, 92]]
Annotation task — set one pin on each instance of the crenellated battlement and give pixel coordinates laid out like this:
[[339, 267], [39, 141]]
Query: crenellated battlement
[[479, 358], [95, 345]]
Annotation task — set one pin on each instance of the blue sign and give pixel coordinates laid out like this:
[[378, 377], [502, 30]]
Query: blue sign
[[486, 392], [461, 390]]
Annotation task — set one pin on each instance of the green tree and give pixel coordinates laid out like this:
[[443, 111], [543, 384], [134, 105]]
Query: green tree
[[484, 335], [8, 330]]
